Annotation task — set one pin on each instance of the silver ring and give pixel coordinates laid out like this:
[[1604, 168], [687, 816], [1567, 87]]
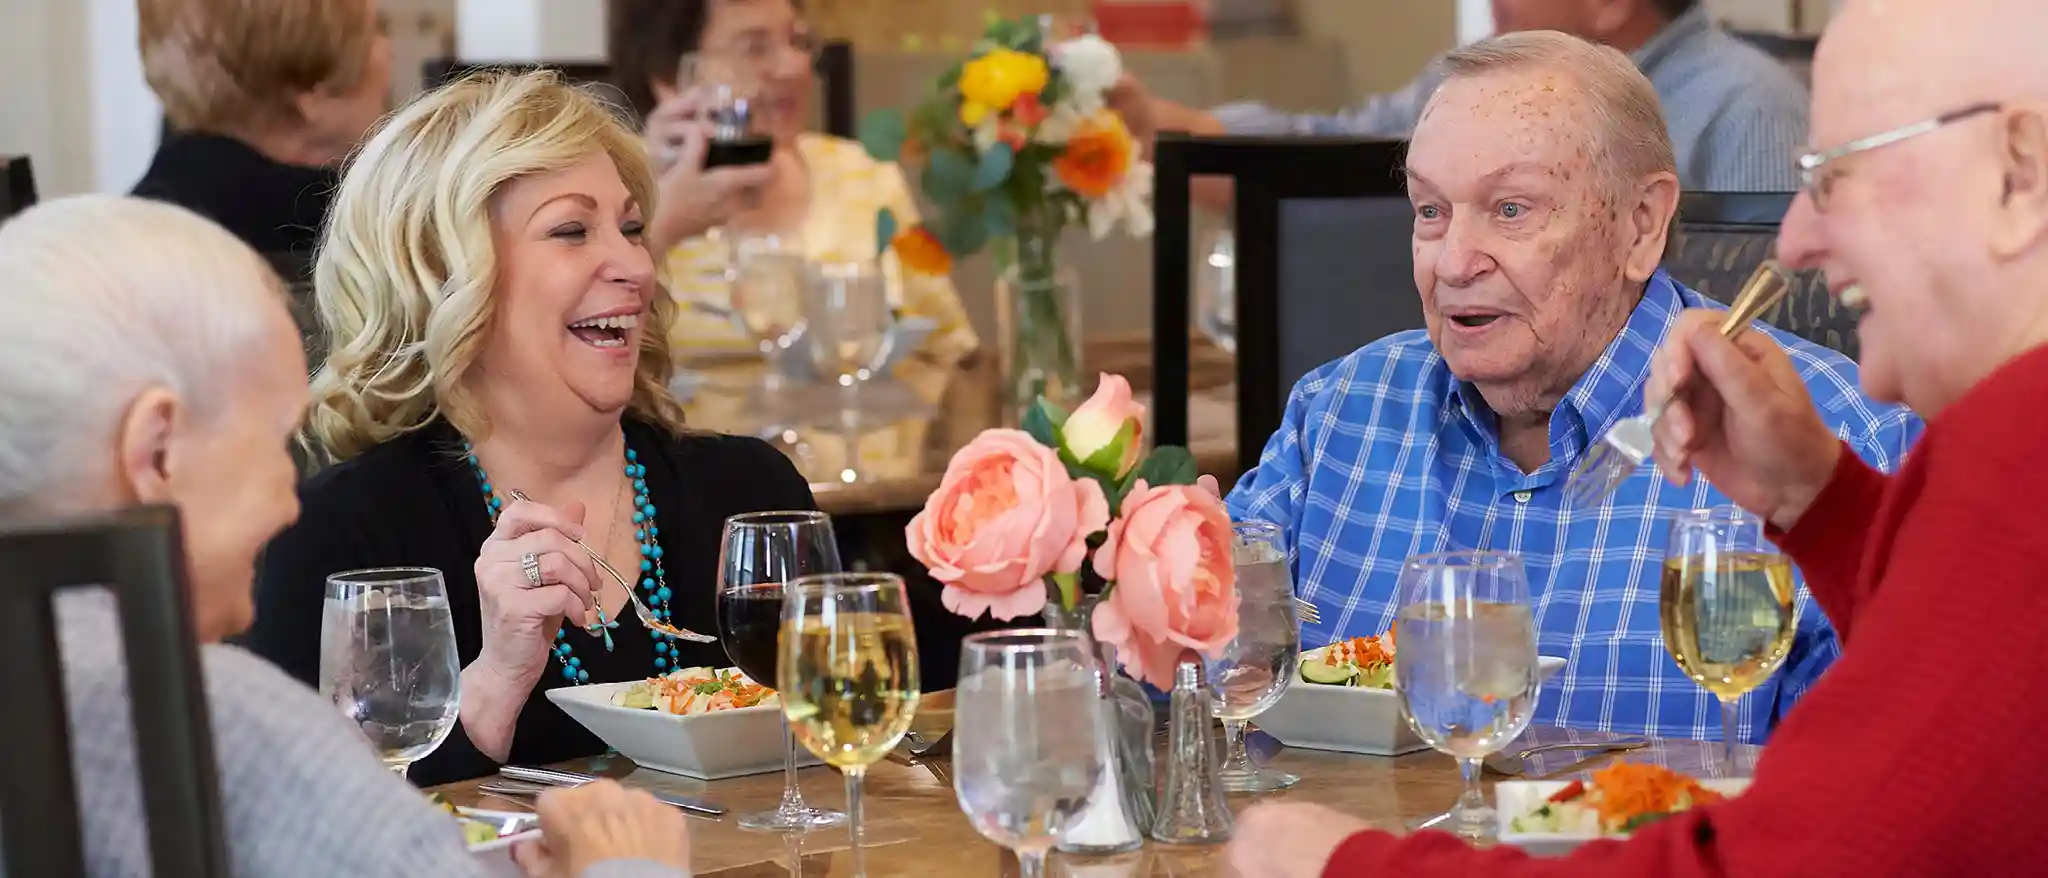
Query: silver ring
[[530, 563]]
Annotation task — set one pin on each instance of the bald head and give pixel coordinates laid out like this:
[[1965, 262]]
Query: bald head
[[1930, 130]]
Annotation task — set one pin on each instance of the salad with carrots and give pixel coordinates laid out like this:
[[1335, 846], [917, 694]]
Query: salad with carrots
[[691, 691], [1620, 799], [1363, 662]]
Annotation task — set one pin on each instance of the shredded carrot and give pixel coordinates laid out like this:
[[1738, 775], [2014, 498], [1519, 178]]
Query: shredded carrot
[[1632, 789], [1366, 652]]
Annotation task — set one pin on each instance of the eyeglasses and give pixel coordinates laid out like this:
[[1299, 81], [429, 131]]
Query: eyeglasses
[[1817, 176], [760, 50]]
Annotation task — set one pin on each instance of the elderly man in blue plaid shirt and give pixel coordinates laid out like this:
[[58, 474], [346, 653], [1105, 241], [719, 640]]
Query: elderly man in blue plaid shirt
[[1544, 188]]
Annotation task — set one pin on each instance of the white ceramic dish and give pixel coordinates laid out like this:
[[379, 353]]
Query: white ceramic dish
[[1513, 798], [706, 746], [1347, 719], [496, 855]]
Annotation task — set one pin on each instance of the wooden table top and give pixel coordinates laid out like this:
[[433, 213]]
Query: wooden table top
[[930, 410], [915, 828]]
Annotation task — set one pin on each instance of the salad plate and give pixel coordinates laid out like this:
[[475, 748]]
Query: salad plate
[[692, 722], [1549, 818], [1342, 699]]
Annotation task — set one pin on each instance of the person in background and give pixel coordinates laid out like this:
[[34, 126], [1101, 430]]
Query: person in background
[[1736, 115], [818, 195], [1928, 191], [1543, 193], [181, 384], [496, 326], [263, 100]]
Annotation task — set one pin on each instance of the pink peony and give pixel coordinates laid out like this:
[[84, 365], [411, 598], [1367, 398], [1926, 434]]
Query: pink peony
[[1005, 516], [1097, 427], [1169, 553]]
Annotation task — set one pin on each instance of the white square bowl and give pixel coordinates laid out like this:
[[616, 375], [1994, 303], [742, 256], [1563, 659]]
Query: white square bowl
[[495, 856], [706, 746], [1348, 719], [1514, 798]]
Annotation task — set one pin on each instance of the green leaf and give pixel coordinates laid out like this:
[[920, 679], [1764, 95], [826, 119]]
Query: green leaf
[[883, 132], [950, 176], [1069, 585], [1039, 424], [994, 168], [1171, 465], [1000, 215], [1110, 490], [885, 230], [960, 230]]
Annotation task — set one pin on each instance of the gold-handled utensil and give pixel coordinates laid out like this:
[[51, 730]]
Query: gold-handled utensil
[[1610, 461], [640, 610]]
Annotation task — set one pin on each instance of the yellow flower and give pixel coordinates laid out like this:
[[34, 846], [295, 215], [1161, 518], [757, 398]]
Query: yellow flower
[[992, 82]]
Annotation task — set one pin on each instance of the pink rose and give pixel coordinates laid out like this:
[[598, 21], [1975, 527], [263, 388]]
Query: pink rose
[[1005, 516], [1095, 433], [1169, 553]]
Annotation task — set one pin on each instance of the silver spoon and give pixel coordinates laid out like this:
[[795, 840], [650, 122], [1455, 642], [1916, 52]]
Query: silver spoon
[[640, 610]]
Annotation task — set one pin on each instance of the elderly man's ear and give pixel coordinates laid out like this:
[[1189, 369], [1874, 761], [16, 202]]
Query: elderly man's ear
[[2021, 224], [1646, 221]]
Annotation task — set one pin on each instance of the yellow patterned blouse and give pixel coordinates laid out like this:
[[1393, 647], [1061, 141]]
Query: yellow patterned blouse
[[848, 188]]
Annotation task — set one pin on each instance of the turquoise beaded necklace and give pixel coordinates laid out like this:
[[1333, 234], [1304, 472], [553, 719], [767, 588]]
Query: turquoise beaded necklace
[[653, 577]]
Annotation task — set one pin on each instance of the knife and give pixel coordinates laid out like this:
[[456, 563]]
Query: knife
[[557, 778]]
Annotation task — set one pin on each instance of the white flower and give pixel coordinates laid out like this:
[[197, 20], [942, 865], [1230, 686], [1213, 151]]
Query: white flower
[[1130, 203], [987, 133], [1091, 65], [1060, 124]]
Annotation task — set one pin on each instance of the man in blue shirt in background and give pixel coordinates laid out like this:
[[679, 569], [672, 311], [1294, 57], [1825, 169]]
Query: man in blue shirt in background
[[1544, 187]]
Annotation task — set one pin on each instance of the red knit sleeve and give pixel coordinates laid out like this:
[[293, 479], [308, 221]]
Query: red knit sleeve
[[1828, 541]]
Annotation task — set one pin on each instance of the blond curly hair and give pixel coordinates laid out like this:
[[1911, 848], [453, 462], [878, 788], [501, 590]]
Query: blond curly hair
[[406, 268]]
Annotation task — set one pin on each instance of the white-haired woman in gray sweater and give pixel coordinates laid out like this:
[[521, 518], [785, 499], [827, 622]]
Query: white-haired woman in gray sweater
[[148, 357]]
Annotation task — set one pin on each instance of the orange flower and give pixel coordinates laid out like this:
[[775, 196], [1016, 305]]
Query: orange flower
[[1096, 157], [1028, 111], [920, 251]]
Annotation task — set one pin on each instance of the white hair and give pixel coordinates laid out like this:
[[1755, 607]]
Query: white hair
[[106, 297]]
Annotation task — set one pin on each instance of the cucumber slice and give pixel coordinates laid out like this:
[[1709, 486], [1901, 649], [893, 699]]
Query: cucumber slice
[[1314, 671]]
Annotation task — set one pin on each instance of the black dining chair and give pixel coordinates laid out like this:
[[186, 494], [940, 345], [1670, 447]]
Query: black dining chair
[[1323, 266], [138, 555], [17, 185], [835, 78], [1719, 240]]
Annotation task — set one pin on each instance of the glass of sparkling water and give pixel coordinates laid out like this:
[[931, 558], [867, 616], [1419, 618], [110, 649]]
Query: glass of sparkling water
[[1254, 670], [388, 660], [1466, 669], [1026, 730]]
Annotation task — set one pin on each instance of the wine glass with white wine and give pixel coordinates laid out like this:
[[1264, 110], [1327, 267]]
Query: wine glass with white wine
[[1728, 606], [1466, 670], [388, 659], [848, 675]]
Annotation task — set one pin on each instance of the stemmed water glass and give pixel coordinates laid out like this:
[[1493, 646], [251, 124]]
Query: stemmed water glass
[[761, 553], [767, 278], [388, 659], [1466, 671], [1728, 607], [1254, 670], [1027, 722], [846, 321], [848, 674]]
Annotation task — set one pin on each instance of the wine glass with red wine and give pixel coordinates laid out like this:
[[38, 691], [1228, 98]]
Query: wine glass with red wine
[[728, 92], [761, 553]]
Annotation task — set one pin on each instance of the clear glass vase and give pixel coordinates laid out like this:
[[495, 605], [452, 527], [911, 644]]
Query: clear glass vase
[[1038, 316], [1120, 811]]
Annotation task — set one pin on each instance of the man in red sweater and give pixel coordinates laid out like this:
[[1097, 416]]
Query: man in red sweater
[[1929, 197]]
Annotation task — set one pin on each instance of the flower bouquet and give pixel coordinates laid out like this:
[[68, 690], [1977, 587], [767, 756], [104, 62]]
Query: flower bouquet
[[1016, 142], [1020, 515]]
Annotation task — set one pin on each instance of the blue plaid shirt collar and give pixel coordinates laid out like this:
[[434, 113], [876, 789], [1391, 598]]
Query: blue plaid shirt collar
[[1608, 392]]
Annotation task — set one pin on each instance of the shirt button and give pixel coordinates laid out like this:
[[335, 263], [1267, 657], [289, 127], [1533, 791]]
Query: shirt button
[[1521, 496]]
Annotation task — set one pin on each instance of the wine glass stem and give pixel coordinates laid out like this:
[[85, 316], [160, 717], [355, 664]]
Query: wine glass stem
[[853, 779], [1728, 735], [1472, 803], [1239, 761], [792, 795], [1031, 863]]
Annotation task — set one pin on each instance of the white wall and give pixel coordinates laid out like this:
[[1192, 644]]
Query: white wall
[[530, 30], [1475, 20], [72, 96]]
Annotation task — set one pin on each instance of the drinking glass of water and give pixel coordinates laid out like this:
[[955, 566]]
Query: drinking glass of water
[[388, 661], [1254, 670], [1466, 670], [1026, 729], [1728, 607]]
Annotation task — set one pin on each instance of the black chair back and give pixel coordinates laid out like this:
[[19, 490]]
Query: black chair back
[[17, 185], [1323, 266], [835, 76], [139, 556], [1721, 238]]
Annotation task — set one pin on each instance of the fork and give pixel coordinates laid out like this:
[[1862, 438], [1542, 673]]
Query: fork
[[646, 616], [1307, 612], [1627, 444]]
